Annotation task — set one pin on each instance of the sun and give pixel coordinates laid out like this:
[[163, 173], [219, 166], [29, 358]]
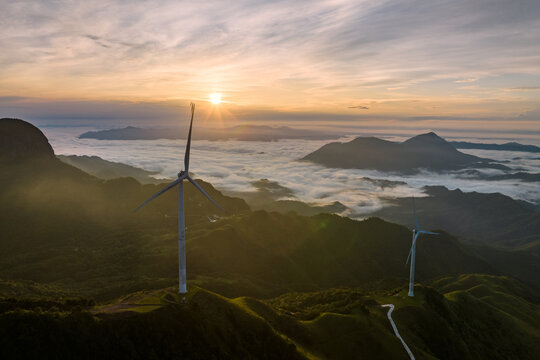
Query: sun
[[215, 98]]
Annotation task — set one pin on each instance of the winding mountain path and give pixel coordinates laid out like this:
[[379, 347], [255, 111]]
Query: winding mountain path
[[389, 314]]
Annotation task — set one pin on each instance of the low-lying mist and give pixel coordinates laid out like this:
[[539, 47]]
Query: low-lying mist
[[233, 166]]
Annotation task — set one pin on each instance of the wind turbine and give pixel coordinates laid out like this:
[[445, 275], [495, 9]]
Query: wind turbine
[[412, 253], [182, 175]]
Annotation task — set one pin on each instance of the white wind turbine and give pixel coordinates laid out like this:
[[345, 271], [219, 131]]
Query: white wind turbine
[[182, 175], [412, 253]]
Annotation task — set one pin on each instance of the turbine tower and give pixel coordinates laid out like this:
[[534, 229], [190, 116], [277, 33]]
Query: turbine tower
[[412, 253], [182, 175]]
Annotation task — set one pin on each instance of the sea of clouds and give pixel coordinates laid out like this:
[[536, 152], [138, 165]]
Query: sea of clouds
[[232, 166]]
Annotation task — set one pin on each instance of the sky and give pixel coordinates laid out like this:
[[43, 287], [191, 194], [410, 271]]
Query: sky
[[445, 65]]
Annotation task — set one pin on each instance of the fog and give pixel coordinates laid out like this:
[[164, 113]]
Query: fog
[[232, 166]]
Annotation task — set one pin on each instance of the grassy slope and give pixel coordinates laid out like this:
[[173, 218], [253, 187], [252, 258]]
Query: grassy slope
[[463, 319], [489, 219], [63, 227], [282, 253], [444, 324], [107, 170], [208, 326]]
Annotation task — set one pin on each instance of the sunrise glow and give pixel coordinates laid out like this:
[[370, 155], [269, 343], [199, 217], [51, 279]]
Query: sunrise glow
[[215, 98]]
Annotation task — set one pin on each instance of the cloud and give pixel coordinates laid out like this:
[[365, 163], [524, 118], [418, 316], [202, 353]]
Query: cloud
[[469, 80], [168, 113], [89, 111], [359, 107], [239, 166], [327, 49], [11, 99], [531, 114], [98, 41], [525, 88]]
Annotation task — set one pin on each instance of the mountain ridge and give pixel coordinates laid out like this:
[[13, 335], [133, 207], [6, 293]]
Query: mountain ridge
[[509, 146], [425, 151], [491, 218], [240, 132], [108, 170]]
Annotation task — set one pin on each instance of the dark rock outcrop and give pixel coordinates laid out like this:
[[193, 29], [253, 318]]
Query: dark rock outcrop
[[20, 140]]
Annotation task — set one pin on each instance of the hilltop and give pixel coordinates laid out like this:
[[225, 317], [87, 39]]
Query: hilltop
[[455, 318], [426, 151], [20, 140]]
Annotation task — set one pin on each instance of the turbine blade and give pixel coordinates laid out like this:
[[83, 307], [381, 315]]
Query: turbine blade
[[188, 144], [204, 192], [427, 232], [408, 257], [414, 212], [412, 246], [166, 188]]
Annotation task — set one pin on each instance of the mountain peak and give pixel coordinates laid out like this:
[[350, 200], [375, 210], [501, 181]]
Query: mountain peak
[[430, 136], [429, 139], [20, 140], [426, 151]]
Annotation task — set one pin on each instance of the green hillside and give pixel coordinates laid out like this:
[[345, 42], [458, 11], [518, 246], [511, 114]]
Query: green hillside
[[489, 219], [70, 230], [463, 317], [207, 327], [108, 170], [289, 252], [82, 276]]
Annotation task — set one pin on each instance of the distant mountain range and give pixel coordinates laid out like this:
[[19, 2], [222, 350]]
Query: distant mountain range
[[240, 132], [510, 146], [481, 218], [426, 151], [470, 215], [519, 175], [492, 219], [108, 170]]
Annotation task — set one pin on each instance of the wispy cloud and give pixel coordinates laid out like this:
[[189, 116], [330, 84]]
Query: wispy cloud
[[525, 88], [330, 52], [11, 99], [469, 80]]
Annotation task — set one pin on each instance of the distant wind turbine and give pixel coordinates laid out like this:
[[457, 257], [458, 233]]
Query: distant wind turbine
[[412, 253], [182, 175]]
